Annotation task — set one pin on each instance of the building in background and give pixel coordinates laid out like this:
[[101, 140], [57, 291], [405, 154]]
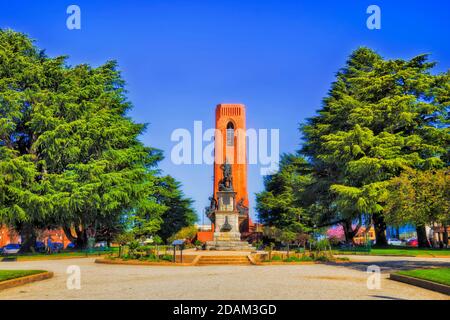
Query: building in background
[[8, 236]]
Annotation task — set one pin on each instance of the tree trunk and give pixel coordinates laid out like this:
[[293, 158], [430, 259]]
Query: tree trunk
[[349, 232], [80, 240], [28, 237], [380, 229], [445, 236], [422, 237], [441, 240]]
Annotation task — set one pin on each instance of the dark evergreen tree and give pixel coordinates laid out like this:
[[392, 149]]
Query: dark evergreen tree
[[283, 204], [380, 117], [69, 155], [24, 83], [179, 213]]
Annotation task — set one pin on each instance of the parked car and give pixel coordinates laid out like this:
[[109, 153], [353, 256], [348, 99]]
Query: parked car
[[70, 246], [412, 242], [39, 246], [395, 242], [57, 246], [11, 248], [101, 244]]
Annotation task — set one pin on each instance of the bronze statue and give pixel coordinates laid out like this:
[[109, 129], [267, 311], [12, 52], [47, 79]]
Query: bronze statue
[[242, 208], [212, 207], [226, 184], [213, 203]]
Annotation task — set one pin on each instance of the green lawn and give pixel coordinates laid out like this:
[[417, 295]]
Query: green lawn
[[12, 274], [61, 255], [439, 275], [393, 251]]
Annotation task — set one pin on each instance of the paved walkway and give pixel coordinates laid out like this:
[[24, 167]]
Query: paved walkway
[[99, 281]]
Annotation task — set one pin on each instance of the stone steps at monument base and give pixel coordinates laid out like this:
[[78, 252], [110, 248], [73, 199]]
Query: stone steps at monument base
[[224, 260], [237, 258], [220, 245]]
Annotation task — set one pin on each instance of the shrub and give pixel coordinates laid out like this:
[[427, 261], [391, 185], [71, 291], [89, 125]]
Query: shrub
[[132, 249], [151, 257], [133, 245], [124, 238], [322, 258], [148, 250], [276, 258], [167, 257], [343, 259], [300, 250], [334, 241], [186, 233], [291, 259], [198, 243], [302, 258], [157, 239], [305, 258], [258, 244], [322, 245]]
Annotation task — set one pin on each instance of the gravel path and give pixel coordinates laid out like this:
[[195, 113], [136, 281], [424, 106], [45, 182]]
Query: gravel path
[[99, 281]]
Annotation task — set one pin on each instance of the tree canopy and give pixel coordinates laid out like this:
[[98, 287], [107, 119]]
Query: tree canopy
[[380, 117], [419, 197], [283, 202], [70, 156]]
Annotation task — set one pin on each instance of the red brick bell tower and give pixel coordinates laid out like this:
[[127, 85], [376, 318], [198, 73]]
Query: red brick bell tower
[[230, 145]]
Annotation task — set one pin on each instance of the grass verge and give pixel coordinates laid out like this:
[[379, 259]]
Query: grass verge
[[414, 252], [438, 275], [13, 274], [56, 256]]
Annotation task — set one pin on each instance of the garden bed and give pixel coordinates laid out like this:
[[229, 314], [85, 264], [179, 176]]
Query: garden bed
[[310, 257], [288, 262], [187, 261]]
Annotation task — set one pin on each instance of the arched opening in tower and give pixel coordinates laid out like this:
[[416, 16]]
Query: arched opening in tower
[[230, 134]]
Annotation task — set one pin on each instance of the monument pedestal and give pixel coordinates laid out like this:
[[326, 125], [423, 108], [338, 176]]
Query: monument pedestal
[[226, 220], [228, 245]]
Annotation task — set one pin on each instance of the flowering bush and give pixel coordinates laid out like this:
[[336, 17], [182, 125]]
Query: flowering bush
[[336, 234]]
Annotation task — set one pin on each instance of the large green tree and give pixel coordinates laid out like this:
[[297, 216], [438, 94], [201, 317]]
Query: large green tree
[[379, 118], [421, 198], [25, 81], [283, 204], [69, 155], [179, 213]]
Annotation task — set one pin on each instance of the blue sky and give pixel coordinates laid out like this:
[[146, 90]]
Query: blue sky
[[181, 58]]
